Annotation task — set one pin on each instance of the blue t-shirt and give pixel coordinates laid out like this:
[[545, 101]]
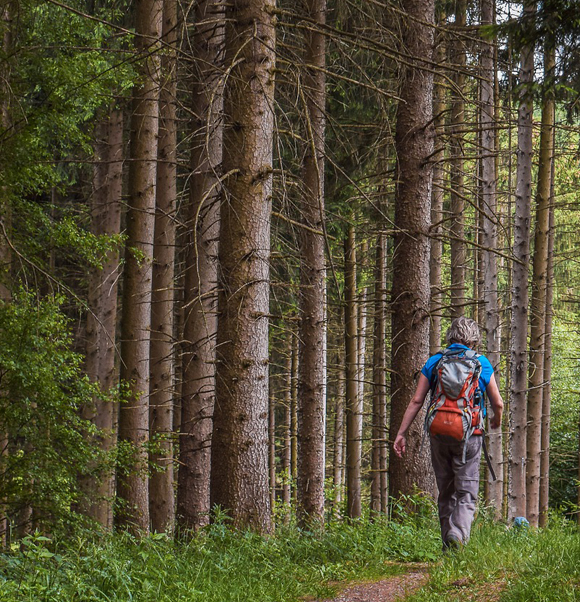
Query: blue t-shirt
[[428, 369]]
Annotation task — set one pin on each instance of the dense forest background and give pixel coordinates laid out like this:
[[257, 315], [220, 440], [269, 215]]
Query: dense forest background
[[231, 234]]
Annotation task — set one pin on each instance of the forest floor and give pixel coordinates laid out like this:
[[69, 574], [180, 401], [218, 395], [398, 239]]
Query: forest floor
[[400, 587]]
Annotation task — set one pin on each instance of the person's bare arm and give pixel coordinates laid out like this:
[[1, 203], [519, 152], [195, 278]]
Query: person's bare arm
[[496, 401], [411, 412]]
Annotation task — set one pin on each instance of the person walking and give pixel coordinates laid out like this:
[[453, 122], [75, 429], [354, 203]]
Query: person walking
[[455, 423]]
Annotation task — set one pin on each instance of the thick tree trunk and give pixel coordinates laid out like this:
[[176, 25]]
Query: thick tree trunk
[[312, 371], [489, 218], [379, 424], [437, 195], [162, 386], [239, 476], [539, 291], [200, 295], [136, 317], [410, 291], [102, 303], [353, 400], [519, 320], [457, 228]]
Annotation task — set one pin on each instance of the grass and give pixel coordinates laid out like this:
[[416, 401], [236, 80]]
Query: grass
[[219, 566], [509, 565], [226, 566]]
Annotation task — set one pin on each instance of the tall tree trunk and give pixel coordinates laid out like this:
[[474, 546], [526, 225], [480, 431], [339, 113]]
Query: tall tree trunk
[[458, 250], [539, 290], [239, 475], [519, 320], [410, 290], [272, 448], [352, 402], [102, 303], [312, 371], [489, 219], [437, 194], [379, 425], [547, 385], [338, 455], [294, 415], [287, 449], [136, 314], [201, 275], [7, 22], [162, 386]]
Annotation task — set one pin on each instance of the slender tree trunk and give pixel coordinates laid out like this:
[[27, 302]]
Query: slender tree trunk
[[239, 476], [338, 456], [162, 386], [136, 314], [521, 253], [437, 195], [489, 218], [272, 449], [410, 290], [312, 371], [102, 303], [547, 385], [458, 249], [352, 402], [539, 290], [287, 450], [294, 415], [201, 275], [7, 12], [379, 428]]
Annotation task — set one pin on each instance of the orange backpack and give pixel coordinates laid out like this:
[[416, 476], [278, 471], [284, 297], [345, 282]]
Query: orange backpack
[[455, 408]]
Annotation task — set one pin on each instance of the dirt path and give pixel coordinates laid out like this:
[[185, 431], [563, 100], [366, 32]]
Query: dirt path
[[386, 590]]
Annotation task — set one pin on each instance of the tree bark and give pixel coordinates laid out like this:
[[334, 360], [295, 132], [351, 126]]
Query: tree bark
[[457, 228], [437, 195], [136, 312], [312, 371], [239, 475], [410, 291], [101, 349], [547, 385], [201, 275], [538, 304], [353, 400], [489, 217], [287, 450], [338, 455], [519, 320], [379, 425], [162, 386]]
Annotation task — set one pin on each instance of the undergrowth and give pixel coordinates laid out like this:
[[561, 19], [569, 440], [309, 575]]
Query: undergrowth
[[219, 565], [509, 565]]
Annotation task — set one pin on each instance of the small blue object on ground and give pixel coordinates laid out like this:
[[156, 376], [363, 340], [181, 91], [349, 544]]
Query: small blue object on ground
[[521, 522]]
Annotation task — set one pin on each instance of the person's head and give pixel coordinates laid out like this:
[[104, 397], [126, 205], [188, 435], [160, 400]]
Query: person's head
[[464, 331]]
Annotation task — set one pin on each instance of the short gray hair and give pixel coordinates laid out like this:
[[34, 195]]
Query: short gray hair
[[464, 331]]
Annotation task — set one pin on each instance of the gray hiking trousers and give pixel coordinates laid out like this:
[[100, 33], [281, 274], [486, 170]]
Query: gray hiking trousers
[[458, 484]]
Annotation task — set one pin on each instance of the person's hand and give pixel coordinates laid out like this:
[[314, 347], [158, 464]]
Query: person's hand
[[400, 445], [495, 421]]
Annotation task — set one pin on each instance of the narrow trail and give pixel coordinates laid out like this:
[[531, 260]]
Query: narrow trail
[[385, 590]]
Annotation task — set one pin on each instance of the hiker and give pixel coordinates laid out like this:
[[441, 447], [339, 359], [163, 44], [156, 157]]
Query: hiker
[[455, 444]]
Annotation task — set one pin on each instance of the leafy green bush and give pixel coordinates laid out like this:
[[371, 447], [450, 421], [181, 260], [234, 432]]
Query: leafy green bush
[[44, 440]]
